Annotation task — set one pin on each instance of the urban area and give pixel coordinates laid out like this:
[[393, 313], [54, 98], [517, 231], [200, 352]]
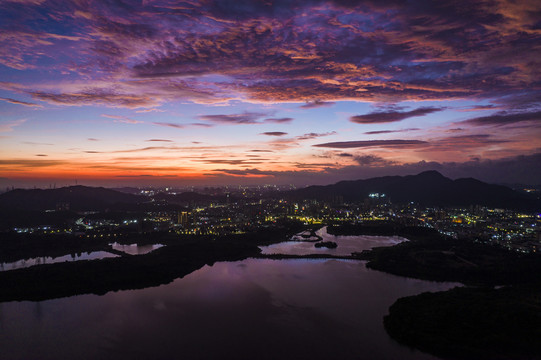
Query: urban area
[[227, 210]]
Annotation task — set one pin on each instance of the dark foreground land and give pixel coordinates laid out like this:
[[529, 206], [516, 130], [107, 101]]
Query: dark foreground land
[[496, 316], [180, 256], [471, 323], [124, 273], [431, 256]]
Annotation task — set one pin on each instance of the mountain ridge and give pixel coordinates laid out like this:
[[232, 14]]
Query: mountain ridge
[[429, 188], [426, 188], [78, 197]]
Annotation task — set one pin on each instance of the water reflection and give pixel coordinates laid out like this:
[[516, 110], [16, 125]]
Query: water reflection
[[135, 249], [346, 244], [264, 309], [24, 263]]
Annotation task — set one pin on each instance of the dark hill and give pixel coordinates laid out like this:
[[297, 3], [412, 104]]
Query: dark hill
[[427, 188], [78, 198]]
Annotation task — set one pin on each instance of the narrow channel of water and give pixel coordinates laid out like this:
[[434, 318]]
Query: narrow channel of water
[[134, 249], [24, 263]]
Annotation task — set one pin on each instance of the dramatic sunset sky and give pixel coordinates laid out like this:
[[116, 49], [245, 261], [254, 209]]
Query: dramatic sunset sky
[[268, 91]]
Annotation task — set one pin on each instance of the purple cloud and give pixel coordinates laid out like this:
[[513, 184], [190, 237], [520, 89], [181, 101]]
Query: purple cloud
[[377, 132], [374, 143], [36, 143], [409, 51], [122, 119], [307, 54], [317, 104], [8, 126], [311, 136], [182, 126], [517, 169], [244, 118], [464, 142], [372, 160], [278, 120], [19, 102], [173, 125], [22, 163], [96, 96], [506, 118], [245, 172], [392, 116], [274, 133]]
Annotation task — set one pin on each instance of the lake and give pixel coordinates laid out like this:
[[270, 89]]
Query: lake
[[135, 249], [131, 249], [24, 263], [346, 244], [250, 309]]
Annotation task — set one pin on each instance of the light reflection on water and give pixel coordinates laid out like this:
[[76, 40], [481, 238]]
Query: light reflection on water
[[346, 244], [24, 263], [134, 249], [255, 308]]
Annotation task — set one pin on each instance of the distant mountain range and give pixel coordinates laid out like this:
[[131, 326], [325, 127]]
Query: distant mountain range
[[428, 188], [78, 197]]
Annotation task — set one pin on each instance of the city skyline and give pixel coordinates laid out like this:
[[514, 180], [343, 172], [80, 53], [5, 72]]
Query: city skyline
[[251, 92]]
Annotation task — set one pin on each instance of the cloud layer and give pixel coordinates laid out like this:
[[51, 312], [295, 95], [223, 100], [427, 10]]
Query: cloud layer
[[249, 87], [374, 143], [141, 54], [392, 116]]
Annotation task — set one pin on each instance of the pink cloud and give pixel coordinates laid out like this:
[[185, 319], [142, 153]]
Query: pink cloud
[[122, 119]]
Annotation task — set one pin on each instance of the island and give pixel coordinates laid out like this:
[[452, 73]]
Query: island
[[496, 315], [179, 257]]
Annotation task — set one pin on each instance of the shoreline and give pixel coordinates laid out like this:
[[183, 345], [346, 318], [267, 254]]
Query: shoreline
[[414, 321], [51, 281]]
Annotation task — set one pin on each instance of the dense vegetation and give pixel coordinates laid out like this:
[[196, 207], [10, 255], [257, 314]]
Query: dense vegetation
[[112, 274], [427, 188], [182, 255], [431, 256], [471, 323], [479, 322]]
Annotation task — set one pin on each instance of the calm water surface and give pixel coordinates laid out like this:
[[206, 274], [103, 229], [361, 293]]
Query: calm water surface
[[134, 249], [346, 244], [250, 309], [24, 263]]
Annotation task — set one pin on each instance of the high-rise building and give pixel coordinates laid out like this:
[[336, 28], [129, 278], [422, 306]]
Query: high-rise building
[[183, 218]]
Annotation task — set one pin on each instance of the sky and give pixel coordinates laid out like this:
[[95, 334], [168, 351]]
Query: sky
[[216, 92]]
